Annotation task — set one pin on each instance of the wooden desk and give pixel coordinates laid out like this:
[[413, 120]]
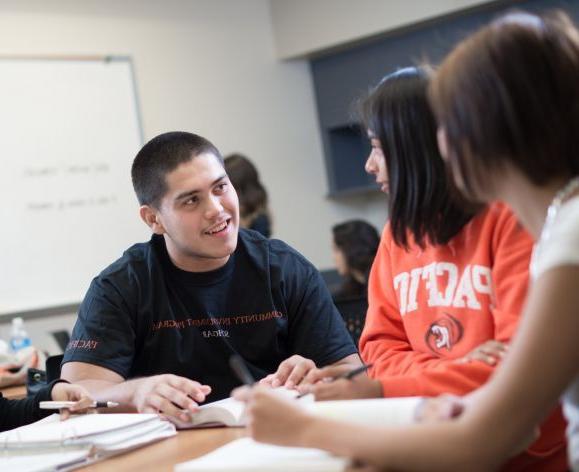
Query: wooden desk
[[164, 455], [15, 392]]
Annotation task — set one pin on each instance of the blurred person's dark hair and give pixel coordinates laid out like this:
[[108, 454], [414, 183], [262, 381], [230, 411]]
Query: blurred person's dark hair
[[532, 120], [358, 241], [253, 201], [423, 200]]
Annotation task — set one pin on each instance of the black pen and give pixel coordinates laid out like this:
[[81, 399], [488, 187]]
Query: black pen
[[354, 372], [240, 368]]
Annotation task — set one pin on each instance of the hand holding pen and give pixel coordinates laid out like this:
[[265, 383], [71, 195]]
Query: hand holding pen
[[333, 374], [352, 373], [341, 382], [76, 396]]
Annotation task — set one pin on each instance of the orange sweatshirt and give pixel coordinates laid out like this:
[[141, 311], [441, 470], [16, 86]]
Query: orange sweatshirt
[[428, 308]]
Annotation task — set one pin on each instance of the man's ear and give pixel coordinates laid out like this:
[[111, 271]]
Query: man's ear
[[150, 216]]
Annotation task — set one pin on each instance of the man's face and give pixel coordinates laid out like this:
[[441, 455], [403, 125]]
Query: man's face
[[198, 215]]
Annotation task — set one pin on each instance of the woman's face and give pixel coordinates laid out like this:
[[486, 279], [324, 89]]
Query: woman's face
[[376, 163], [339, 260]]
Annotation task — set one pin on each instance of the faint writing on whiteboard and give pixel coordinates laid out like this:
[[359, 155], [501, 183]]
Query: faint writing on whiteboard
[[72, 204], [72, 169], [68, 187]]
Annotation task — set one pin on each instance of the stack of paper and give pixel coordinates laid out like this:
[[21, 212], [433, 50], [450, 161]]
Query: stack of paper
[[247, 455], [369, 412], [51, 444]]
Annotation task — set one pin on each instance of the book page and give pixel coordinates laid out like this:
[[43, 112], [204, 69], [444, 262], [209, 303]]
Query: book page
[[370, 412], [227, 412], [247, 455]]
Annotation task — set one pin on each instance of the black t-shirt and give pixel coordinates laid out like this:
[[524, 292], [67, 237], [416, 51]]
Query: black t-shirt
[[143, 316]]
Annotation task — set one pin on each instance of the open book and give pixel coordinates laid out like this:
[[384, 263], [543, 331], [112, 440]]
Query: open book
[[227, 412], [246, 455], [374, 411], [51, 444]]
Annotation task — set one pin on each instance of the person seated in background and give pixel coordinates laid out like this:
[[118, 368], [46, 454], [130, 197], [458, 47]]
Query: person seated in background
[[15, 362], [253, 210], [354, 246], [15, 413], [14, 373], [518, 146], [448, 283], [157, 328]]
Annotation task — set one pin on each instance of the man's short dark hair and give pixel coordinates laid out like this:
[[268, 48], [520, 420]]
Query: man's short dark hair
[[162, 155]]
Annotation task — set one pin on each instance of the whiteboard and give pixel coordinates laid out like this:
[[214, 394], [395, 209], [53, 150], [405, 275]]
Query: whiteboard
[[69, 131]]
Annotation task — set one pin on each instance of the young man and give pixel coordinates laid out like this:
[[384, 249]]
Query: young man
[[169, 313]]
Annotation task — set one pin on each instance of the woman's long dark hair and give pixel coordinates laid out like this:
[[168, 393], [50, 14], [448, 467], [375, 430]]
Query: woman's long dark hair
[[423, 199]]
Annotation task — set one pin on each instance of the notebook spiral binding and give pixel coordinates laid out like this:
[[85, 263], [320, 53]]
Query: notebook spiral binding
[[12, 444]]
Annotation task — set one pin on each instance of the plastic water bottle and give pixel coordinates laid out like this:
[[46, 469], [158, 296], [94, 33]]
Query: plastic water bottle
[[18, 336]]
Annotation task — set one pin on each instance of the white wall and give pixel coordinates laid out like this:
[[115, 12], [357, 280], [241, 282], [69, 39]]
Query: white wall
[[303, 27], [207, 66]]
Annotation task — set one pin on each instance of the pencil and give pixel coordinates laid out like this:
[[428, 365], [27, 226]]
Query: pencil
[[240, 369]]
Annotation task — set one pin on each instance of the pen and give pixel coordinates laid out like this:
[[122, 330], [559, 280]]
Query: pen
[[52, 405], [240, 368], [354, 372]]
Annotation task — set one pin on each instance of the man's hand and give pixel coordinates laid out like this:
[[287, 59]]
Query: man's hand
[[489, 352], [271, 417], [325, 384], [290, 372], [173, 396]]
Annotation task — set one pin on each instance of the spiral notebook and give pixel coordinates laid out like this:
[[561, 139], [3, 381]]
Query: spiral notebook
[[51, 444]]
